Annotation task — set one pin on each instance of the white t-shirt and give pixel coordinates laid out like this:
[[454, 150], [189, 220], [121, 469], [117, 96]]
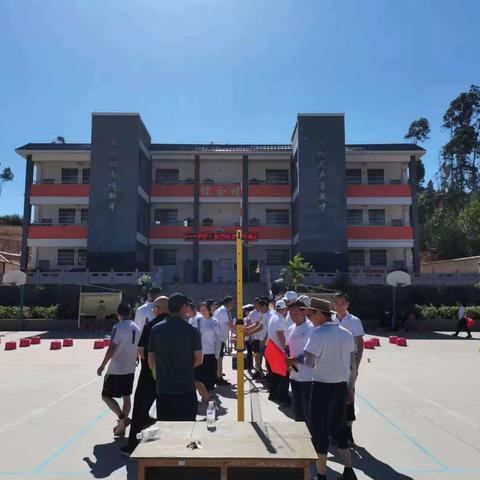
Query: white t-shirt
[[276, 323], [333, 346], [210, 332], [353, 324], [263, 318], [144, 314], [223, 315], [461, 312], [297, 338], [125, 335]]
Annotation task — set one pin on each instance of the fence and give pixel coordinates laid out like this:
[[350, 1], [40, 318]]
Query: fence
[[84, 278]]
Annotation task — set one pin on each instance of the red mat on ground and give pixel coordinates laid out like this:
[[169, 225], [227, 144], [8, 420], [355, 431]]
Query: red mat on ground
[[36, 340], [25, 342], [10, 345], [276, 358]]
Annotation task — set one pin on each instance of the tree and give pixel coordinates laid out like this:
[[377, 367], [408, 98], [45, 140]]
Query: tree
[[6, 176], [14, 219], [294, 273], [418, 132], [60, 139], [469, 222], [458, 169]]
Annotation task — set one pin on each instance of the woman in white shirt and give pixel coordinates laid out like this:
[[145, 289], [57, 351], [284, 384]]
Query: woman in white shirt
[[211, 344]]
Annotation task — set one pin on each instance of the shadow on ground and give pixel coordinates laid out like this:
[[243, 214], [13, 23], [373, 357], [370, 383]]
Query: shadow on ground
[[107, 459]]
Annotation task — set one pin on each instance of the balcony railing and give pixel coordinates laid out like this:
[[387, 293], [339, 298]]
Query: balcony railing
[[392, 223], [374, 232], [77, 231], [60, 190], [264, 232], [381, 190]]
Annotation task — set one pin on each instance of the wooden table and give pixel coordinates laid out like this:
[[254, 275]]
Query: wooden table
[[235, 451]]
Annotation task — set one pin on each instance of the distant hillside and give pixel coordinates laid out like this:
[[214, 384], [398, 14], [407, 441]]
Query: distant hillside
[[10, 238]]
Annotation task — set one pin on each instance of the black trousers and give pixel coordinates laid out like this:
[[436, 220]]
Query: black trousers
[[249, 356], [177, 408], [301, 393], [145, 395], [278, 387], [462, 327]]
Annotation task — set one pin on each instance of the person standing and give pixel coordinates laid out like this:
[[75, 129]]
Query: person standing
[[300, 379], [145, 392], [247, 309], [328, 352], [145, 313], [174, 350], [224, 316], [121, 358], [354, 325], [276, 333], [462, 321], [100, 316]]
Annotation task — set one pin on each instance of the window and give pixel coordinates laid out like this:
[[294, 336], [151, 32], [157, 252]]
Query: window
[[166, 175], [165, 257], [84, 216], [66, 216], [398, 264], [166, 216], [375, 176], [356, 258], [278, 257], [70, 175], [82, 257], [376, 217], [66, 256], [355, 217], [276, 176], [278, 217], [86, 176], [354, 176], [378, 258]]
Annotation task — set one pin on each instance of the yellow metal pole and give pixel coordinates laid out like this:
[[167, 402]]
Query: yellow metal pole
[[240, 333]]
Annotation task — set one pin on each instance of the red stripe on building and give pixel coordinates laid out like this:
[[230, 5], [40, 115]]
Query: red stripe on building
[[380, 233], [60, 190], [269, 191], [57, 231], [379, 191], [174, 190]]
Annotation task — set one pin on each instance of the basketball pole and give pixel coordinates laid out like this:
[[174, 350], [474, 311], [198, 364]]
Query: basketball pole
[[240, 332]]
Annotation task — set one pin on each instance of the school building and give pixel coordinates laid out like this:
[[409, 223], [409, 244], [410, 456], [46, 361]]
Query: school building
[[123, 202]]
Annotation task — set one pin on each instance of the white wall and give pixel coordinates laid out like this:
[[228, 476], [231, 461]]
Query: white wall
[[186, 168], [53, 170], [392, 212], [223, 214], [393, 254], [392, 171], [259, 210], [222, 257], [256, 169], [221, 171], [50, 253], [185, 210], [51, 211]]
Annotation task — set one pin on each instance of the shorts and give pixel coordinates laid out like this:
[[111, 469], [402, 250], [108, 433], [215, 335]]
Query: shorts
[[328, 415], [256, 346], [116, 386]]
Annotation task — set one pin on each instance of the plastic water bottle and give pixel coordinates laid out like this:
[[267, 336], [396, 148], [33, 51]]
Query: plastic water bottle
[[211, 416], [149, 434]]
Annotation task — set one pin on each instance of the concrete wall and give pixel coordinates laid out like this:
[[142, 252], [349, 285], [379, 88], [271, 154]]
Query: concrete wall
[[185, 210], [392, 171], [392, 212], [186, 168], [53, 170], [259, 210], [221, 171], [257, 168], [223, 214], [461, 265], [51, 211]]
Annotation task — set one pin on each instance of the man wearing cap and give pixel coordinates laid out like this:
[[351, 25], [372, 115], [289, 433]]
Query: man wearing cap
[[174, 350], [276, 334], [247, 309], [224, 316], [145, 313], [300, 379], [353, 324], [328, 352], [289, 298]]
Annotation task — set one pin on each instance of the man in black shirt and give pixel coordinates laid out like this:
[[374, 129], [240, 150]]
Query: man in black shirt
[[174, 350], [146, 391]]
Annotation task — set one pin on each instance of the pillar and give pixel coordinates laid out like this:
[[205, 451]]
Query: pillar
[[27, 213], [414, 215], [196, 218]]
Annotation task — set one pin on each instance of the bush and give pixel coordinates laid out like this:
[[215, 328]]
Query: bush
[[51, 312], [446, 312]]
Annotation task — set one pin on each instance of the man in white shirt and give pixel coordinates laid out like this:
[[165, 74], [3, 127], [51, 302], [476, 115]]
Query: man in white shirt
[[328, 352], [224, 316], [462, 321], [258, 328], [122, 355], [145, 313], [353, 324], [300, 379], [276, 334]]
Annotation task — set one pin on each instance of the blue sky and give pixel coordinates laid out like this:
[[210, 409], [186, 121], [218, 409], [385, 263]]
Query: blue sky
[[230, 70]]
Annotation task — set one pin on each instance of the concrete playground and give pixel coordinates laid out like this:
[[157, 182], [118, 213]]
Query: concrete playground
[[418, 410]]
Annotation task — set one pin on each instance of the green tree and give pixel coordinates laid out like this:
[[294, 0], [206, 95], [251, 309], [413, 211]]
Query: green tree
[[418, 132], [458, 169], [294, 273], [5, 176], [469, 222]]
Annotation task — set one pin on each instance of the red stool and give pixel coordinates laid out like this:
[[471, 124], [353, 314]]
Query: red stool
[[402, 342], [25, 342], [55, 345], [35, 340], [98, 344], [10, 345], [368, 345], [107, 342], [392, 340], [68, 342], [375, 341]]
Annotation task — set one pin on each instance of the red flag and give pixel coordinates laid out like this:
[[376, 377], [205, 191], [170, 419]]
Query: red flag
[[276, 358]]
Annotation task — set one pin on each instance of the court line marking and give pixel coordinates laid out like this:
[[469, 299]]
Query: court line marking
[[409, 437], [428, 400], [89, 426], [41, 409]]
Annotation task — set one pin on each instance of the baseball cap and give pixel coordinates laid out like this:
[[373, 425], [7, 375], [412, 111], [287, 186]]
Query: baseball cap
[[280, 304], [289, 296], [176, 301], [302, 301]]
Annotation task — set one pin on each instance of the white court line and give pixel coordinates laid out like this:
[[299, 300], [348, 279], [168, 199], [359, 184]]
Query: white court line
[[41, 409], [431, 402]]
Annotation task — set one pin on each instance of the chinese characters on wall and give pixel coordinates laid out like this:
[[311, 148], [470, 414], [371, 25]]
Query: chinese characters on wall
[[321, 157], [208, 190], [112, 190]]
